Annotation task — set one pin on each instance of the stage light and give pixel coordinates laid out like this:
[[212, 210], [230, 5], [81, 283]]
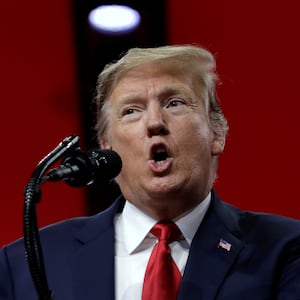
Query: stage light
[[114, 19]]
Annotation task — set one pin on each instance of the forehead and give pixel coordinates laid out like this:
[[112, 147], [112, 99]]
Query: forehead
[[156, 76]]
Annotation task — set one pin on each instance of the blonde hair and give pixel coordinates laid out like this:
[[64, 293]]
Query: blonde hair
[[195, 59]]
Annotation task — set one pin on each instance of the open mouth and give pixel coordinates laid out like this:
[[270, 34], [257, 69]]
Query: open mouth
[[161, 159], [159, 153]]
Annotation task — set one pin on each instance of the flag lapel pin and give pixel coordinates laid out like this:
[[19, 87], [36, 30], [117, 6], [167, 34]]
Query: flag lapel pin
[[224, 245]]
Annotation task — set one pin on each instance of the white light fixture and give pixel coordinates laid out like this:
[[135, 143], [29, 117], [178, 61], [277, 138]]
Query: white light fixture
[[114, 19]]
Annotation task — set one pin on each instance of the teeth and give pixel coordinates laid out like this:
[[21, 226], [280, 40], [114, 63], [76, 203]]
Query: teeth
[[160, 150]]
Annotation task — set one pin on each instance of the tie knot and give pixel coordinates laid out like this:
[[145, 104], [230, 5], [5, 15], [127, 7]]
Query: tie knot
[[166, 230]]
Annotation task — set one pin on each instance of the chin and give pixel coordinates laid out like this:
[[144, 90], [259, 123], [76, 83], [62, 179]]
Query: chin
[[162, 187]]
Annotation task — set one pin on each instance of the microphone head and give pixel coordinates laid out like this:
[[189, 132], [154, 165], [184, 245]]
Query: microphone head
[[95, 165], [107, 163]]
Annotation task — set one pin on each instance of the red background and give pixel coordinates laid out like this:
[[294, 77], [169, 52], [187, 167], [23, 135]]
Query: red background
[[257, 51]]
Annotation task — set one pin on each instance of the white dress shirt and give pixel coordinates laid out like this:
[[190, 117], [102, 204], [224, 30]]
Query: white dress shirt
[[134, 244]]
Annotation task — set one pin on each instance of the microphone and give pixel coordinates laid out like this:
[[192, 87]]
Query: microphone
[[81, 169]]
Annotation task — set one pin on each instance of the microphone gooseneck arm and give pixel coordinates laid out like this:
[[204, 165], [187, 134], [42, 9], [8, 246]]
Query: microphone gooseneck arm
[[77, 169], [32, 194]]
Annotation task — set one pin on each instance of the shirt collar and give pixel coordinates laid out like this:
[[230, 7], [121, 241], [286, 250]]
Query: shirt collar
[[190, 221], [133, 225]]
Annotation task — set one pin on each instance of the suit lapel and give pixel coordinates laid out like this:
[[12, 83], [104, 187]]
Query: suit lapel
[[93, 261], [209, 262]]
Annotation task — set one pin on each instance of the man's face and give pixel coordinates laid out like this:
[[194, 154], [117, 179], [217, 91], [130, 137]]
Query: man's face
[[160, 128]]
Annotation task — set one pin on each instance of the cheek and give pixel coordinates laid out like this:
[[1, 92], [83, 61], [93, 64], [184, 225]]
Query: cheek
[[194, 132], [129, 148], [128, 140]]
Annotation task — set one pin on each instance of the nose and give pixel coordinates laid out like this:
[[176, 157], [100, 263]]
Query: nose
[[155, 121]]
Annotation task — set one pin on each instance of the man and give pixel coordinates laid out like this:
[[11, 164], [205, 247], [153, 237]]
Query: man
[[158, 109]]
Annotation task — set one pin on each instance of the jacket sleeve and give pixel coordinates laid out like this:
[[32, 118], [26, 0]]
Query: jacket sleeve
[[6, 285], [289, 281]]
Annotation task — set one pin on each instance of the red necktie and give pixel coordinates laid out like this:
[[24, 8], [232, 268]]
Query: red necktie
[[162, 277]]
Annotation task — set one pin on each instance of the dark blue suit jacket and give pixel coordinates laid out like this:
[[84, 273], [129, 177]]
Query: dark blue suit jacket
[[263, 262]]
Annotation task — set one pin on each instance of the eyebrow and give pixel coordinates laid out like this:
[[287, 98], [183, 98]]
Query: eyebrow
[[169, 91], [163, 93]]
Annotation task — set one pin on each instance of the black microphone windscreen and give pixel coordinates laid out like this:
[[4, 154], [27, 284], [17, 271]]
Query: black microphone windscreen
[[80, 169], [108, 163]]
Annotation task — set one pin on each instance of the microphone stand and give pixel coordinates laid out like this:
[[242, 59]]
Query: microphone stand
[[32, 195]]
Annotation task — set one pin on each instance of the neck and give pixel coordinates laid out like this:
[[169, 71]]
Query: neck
[[168, 208]]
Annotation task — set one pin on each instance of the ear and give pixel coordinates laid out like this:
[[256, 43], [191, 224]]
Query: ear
[[218, 144], [105, 143]]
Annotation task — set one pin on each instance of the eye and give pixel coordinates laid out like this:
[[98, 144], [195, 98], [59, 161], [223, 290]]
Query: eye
[[128, 111], [131, 113], [175, 103]]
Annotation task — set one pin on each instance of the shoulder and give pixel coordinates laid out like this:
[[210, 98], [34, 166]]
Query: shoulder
[[60, 234], [63, 234], [259, 225]]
